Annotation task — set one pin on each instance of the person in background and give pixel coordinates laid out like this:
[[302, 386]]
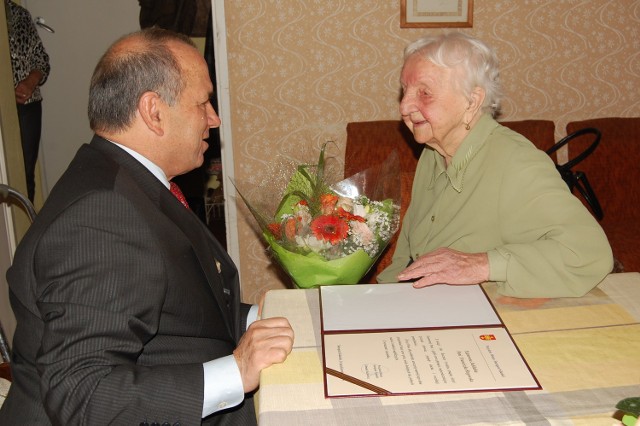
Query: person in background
[[30, 64], [128, 310], [486, 205]]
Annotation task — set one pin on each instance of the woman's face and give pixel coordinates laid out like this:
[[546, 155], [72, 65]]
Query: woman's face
[[432, 106]]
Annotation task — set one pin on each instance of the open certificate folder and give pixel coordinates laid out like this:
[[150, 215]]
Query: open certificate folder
[[392, 339]]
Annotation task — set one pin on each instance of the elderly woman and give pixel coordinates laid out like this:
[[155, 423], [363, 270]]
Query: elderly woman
[[486, 205]]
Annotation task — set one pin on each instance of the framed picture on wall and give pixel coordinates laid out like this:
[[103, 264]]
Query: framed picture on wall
[[436, 13]]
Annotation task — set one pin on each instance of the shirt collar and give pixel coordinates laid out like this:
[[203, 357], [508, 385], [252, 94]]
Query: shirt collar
[[148, 164], [467, 151]]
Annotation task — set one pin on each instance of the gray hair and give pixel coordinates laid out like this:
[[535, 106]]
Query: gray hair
[[123, 76], [477, 62]]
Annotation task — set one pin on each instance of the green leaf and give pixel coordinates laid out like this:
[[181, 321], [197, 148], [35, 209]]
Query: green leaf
[[304, 185], [263, 220]]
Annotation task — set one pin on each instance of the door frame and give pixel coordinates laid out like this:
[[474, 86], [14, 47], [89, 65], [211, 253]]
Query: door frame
[[226, 137]]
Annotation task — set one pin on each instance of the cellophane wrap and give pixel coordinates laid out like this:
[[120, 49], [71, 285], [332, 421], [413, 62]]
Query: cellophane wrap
[[321, 232]]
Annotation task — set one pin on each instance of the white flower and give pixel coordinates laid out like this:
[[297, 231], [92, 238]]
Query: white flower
[[304, 215], [312, 243], [345, 203], [359, 210], [361, 232]]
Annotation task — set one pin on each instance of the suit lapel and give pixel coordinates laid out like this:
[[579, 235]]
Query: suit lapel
[[194, 230], [204, 248]]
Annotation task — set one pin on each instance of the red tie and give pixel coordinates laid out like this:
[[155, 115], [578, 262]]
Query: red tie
[[175, 190]]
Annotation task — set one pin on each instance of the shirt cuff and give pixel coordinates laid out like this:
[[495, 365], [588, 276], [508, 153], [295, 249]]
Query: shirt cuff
[[222, 385], [497, 266], [252, 315]]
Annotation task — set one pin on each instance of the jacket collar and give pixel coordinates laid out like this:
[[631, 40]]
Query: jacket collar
[[469, 148]]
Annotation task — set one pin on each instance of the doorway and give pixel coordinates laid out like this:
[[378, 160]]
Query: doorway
[[203, 187], [73, 56], [83, 31]]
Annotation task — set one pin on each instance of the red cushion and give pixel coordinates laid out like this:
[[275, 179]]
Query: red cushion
[[613, 170]]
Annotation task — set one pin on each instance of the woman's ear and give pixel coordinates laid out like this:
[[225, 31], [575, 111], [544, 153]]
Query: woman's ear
[[150, 108], [476, 100]]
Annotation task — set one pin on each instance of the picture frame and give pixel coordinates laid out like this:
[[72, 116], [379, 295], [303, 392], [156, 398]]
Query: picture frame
[[436, 13]]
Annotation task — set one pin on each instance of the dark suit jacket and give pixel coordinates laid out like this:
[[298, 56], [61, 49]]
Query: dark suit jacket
[[119, 302]]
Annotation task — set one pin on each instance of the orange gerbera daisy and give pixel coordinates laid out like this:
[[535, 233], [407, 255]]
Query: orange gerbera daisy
[[330, 228]]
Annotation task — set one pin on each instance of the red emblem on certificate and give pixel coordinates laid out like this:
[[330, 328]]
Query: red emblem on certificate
[[487, 337]]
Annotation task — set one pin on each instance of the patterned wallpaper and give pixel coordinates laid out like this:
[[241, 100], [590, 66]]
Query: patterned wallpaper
[[300, 70]]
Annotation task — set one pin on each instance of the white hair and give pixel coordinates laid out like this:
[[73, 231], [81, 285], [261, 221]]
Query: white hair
[[476, 61]]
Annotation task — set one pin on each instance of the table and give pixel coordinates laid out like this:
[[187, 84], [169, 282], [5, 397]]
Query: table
[[584, 351]]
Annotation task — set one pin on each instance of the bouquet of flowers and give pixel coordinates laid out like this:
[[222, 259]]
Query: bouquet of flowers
[[324, 234]]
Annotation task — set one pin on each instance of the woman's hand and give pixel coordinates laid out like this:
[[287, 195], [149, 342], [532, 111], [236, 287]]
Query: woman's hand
[[26, 87], [447, 266]]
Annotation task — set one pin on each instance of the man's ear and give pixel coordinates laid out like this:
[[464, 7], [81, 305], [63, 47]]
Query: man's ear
[[150, 108]]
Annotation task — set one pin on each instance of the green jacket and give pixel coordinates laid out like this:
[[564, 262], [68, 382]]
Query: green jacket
[[503, 196]]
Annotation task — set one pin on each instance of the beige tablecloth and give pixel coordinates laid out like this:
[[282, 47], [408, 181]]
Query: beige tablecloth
[[584, 351]]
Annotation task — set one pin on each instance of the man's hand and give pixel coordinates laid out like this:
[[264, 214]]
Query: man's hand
[[447, 266], [265, 342]]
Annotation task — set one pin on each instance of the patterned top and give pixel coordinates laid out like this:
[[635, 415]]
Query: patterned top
[[27, 51]]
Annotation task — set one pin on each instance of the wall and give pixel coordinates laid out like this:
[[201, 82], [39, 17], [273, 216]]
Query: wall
[[84, 30], [300, 70], [13, 222], [73, 56]]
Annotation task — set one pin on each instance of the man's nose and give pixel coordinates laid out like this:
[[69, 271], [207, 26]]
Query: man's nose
[[212, 118]]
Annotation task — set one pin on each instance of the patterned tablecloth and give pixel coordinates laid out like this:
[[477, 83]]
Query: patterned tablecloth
[[584, 351]]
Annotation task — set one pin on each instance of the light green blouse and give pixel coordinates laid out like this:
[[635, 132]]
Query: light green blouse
[[503, 196]]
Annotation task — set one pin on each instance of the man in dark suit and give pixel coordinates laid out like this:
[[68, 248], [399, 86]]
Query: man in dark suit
[[128, 309]]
